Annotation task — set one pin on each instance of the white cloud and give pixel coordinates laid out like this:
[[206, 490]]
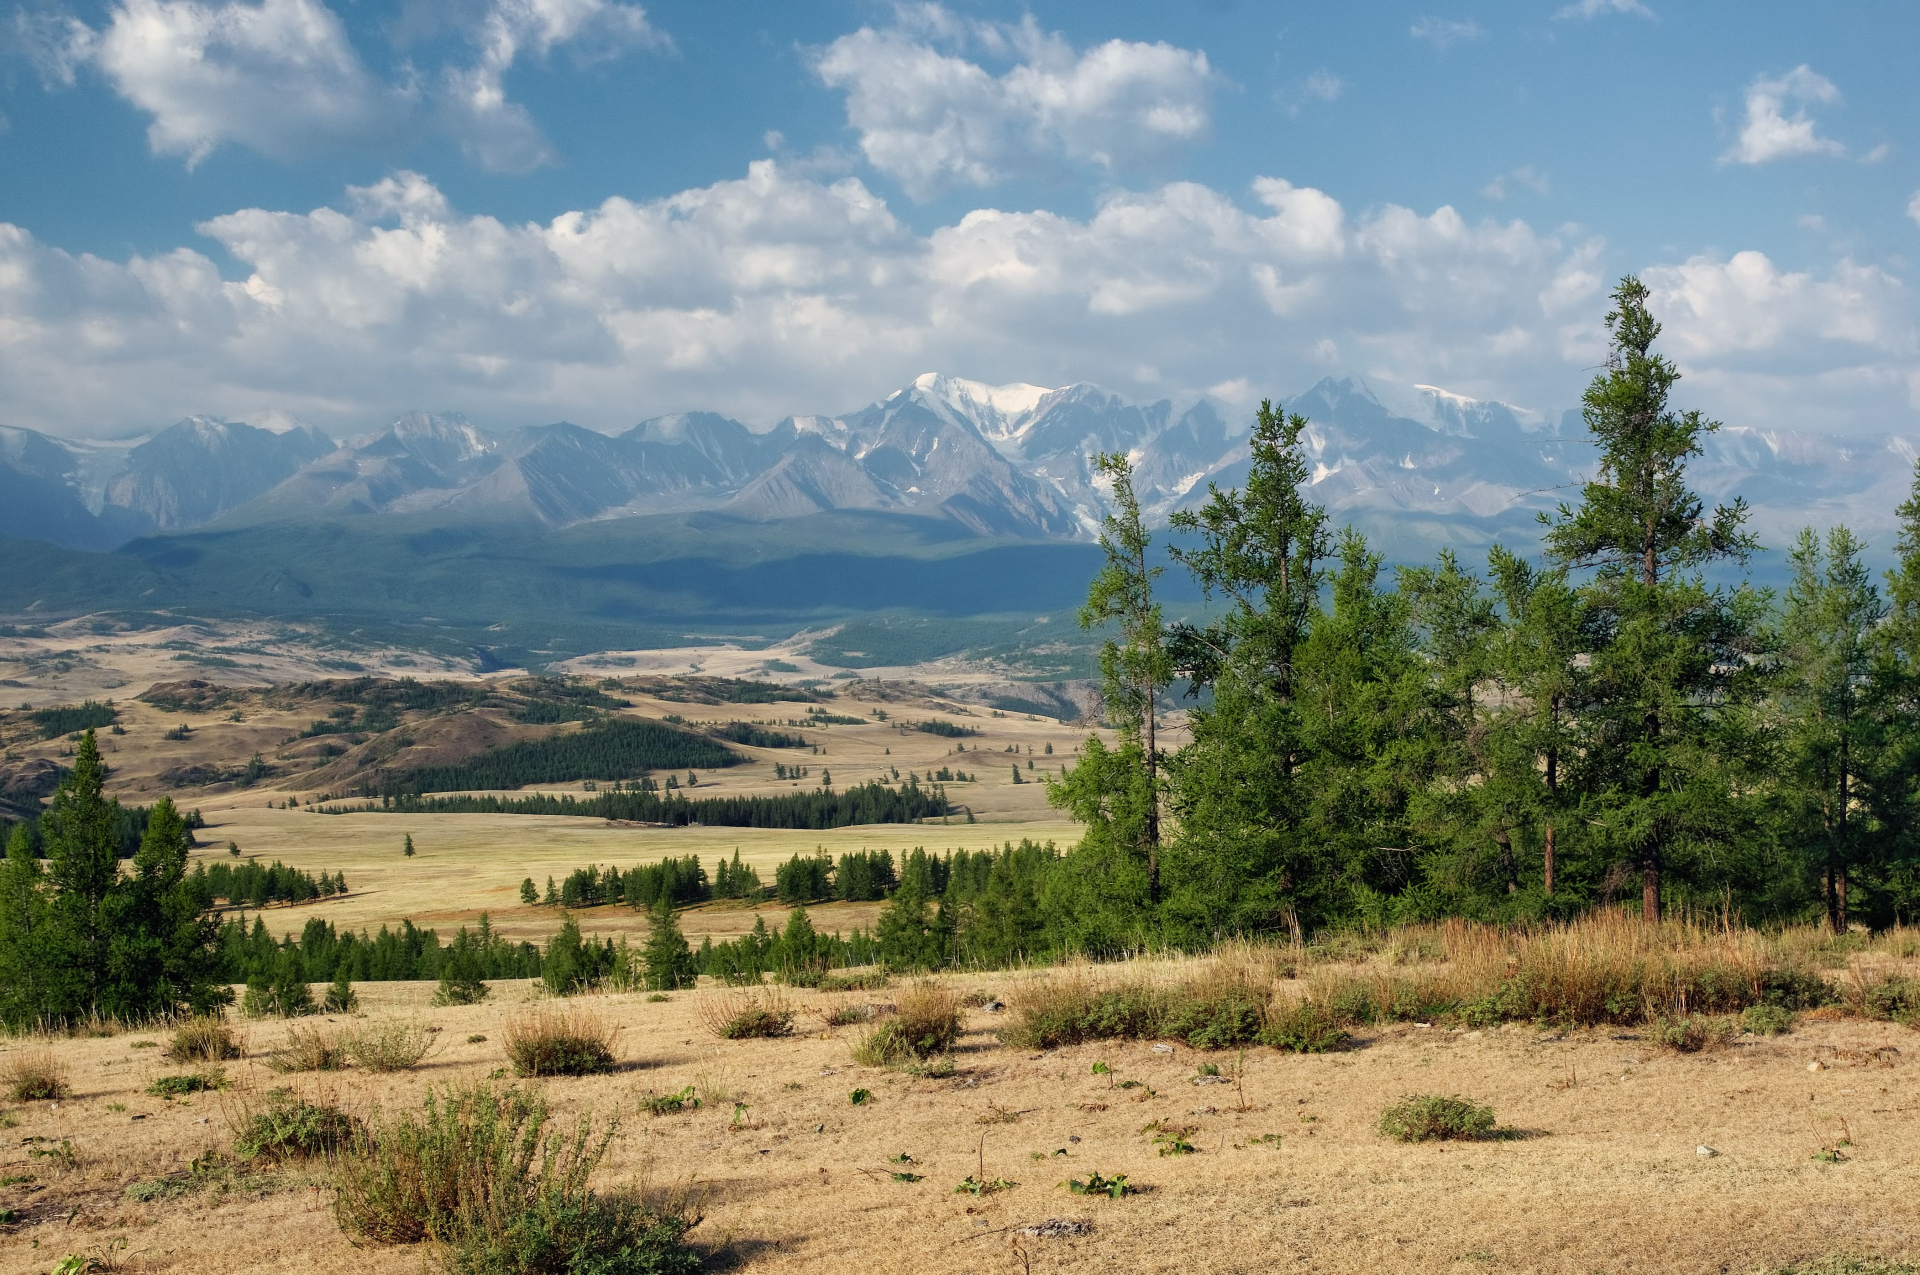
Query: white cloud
[[1323, 85], [777, 293], [1441, 32], [281, 76], [1526, 176], [932, 119], [1770, 133], [1913, 207], [1589, 9]]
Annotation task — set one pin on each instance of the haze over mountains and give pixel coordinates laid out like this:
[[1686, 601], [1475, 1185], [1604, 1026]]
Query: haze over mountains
[[1414, 466]]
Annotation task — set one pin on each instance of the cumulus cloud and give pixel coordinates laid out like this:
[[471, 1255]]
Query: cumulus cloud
[[1589, 9], [932, 119], [1525, 176], [281, 77], [1441, 32], [1770, 133], [1913, 207]]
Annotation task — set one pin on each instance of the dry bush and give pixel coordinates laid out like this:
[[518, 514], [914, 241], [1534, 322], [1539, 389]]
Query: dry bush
[[1691, 1033], [203, 1038], [32, 1074], [861, 980], [749, 1013], [844, 1013], [1213, 1004], [310, 1049], [551, 1040], [479, 1172], [926, 1023], [388, 1045]]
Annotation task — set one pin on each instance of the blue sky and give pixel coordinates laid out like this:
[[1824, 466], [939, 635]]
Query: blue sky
[[535, 209]]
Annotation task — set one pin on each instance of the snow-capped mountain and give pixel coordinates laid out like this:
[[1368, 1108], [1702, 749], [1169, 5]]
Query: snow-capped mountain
[[1414, 466]]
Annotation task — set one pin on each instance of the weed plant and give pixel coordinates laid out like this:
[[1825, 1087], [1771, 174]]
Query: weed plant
[[1431, 1118], [478, 1171], [291, 1128], [760, 1012], [1691, 1034], [189, 1082], [34, 1075], [869, 980], [555, 1041], [925, 1026], [671, 1104], [310, 1049], [388, 1045], [203, 1038]]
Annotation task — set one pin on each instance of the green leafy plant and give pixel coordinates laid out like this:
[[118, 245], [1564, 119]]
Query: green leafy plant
[[292, 1128], [177, 1086], [904, 1176], [977, 1187], [860, 1097], [1767, 1020], [1431, 1117], [668, 1104], [1170, 1138], [1097, 1183]]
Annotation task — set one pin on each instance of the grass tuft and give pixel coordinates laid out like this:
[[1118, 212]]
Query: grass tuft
[[389, 1045], [555, 1041], [203, 1038], [1432, 1118], [1691, 1034], [925, 1026], [34, 1075], [291, 1128], [478, 1171], [184, 1083], [760, 1012], [310, 1049]]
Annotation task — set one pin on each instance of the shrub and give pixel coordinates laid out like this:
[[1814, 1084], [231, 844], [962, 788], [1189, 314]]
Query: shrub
[[847, 1014], [178, 1086], [1307, 1028], [867, 980], [340, 997], [550, 1041], [388, 1045], [479, 1172], [756, 1012], [1893, 998], [1430, 1117], [927, 1024], [671, 1104], [203, 1038], [1691, 1034], [34, 1075], [1766, 1019], [291, 1128], [310, 1049]]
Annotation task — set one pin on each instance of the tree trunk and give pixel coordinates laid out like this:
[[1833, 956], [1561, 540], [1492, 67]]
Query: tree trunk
[[1650, 887], [1546, 858]]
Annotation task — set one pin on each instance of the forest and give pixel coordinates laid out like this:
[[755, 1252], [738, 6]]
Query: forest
[[620, 748], [814, 809]]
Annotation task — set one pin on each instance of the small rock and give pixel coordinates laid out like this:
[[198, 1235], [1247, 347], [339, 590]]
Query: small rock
[[1705, 1152], [1473, 1035], [1816, 1065], [1163, 1049], [1213, 1080], [819, 1128], [993, 1007], [141, 1116], [1073, 1137]]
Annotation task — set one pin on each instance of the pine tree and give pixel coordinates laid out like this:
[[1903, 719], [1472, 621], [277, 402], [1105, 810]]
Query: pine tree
[[83, 870], [460, 974], [1895, 691], [528, 894], [1669, 666], [667, 959], [568, 966], [26, 976], [797, 947], [340, 997], [165, 953], [408, 852], [1830, 736]]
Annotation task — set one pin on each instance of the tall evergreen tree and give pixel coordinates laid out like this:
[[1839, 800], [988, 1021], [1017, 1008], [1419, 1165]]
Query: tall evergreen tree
[[1895, 690], [1671, 654], [1133, 670], [26, 973], [667, 959], [83, 870], [1830, 735]]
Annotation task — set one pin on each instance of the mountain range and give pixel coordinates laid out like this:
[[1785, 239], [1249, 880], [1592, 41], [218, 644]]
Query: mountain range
[[1414, 466]]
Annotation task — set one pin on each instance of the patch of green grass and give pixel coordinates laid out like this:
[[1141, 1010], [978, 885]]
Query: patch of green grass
[[668, 1104], [184, 1083]]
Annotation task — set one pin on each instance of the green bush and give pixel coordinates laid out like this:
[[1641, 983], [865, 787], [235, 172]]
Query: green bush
[[1766, 1019], [1430, 1117], [1307, 1028], [290, 1128], [1691, 1034], [478, 1171], [1893, 999], [203, 1038], [188, 1082]]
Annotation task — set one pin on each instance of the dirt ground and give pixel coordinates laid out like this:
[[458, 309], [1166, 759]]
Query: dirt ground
[[1602, 1173]]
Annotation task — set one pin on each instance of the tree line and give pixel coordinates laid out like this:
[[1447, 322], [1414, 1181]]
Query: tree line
[[812, 811], [620, 748]]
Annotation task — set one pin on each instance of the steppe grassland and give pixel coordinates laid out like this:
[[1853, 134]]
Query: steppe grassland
[[466, 864], [1603, 1175]]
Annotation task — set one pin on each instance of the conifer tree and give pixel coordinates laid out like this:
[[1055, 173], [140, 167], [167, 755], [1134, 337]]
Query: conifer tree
[[568, 965], [667, 959], [1669, 663], [25, 973], [461, 981], [528, 893]]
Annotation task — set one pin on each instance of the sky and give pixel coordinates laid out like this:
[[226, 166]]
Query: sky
[[333, 211]]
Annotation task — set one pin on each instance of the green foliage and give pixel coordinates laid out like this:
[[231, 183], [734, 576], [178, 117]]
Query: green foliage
[[1767, 1020], [671, 1104], [67, 720], [461, 981], [757, 736], [668, 960], [552, 1042], [814, 809], [946, 730], [179, 1085], [1097, 1183], [622, 748], [1431, 1117], [291, 1128]]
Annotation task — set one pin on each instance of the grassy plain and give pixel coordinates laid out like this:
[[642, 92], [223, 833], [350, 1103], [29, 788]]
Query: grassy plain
[[1601, 1173]]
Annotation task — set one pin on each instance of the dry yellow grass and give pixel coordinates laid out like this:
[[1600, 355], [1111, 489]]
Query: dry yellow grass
[[1606, 1178]]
